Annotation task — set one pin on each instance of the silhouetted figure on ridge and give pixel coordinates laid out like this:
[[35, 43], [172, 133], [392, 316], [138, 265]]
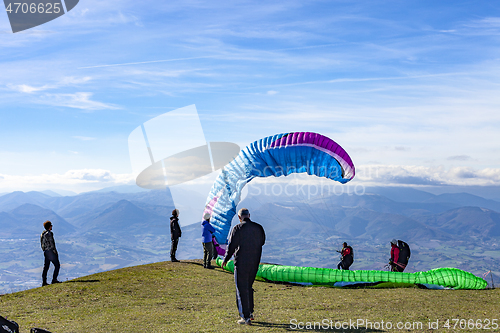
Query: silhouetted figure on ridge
[[175, 234]]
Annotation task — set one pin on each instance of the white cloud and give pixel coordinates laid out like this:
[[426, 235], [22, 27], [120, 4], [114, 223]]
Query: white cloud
[[24, 88], [487, 25], [71, 80], [65, 81], [74, 180], [420, 175], [79, 100], [459, 158], [146, 62]]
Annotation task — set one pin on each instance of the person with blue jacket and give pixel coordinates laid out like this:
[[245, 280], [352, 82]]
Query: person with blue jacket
[[208, 247]]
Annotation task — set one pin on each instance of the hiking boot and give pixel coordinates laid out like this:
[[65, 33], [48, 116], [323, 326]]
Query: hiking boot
[[44, 283], [209, 267], [174, 260], [55, 281], [243, 321], [252, 316]]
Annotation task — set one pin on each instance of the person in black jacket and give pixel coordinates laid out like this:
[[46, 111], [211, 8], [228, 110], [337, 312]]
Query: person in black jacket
[[175, 234], [50, 253], [246, 241]]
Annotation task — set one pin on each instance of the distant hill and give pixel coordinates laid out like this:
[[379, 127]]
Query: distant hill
[[487, 192], [367, 224], [401, 194], [121, 189], [369, 216], [15, 199], [125, 217], [465, 199], [31, 217], [9, 226], [468, 222]]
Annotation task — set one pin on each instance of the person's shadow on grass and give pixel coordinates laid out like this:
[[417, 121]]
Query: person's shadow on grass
[[288, 327], [82, 281]]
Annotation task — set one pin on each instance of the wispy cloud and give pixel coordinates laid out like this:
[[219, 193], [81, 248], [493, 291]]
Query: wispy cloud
[[79, 100], [24, 88], [483, 26], [72, 80], [400, 90], [78, 180], [459, 158], [146, 62], [420, 175], [63, 82]]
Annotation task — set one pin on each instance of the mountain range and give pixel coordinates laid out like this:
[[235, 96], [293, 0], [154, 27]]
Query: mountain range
[[101, 230]]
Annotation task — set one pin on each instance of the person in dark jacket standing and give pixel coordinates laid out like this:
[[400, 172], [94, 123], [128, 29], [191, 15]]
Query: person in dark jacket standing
[[208, 246], [175, 234], [50, 253], [246, 241]]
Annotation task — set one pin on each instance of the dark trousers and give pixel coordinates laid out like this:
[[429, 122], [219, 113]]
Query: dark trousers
[[208, 254], [342, 266], [50, 256], [173, 248], [345, 263], [244, 278]]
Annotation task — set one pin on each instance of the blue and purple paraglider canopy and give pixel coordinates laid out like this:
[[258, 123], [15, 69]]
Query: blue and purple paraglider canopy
[[277, 155]]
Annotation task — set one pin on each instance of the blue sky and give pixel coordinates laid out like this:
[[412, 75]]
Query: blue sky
[[408, 88]]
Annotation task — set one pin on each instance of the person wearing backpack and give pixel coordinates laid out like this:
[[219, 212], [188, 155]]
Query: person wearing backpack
[[50, 253], [400, 254], [175, 234], [347, 257]]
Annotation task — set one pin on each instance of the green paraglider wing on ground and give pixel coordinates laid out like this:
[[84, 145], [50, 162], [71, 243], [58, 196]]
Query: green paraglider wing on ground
[[447, 277]]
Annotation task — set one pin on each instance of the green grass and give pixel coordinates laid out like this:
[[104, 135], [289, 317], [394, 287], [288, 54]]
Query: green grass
[[184, 297]]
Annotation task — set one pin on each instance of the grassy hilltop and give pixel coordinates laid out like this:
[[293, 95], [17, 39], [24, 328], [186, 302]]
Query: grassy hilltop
[[184, 297]]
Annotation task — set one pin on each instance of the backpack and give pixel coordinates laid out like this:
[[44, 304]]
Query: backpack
[[404, 252], [352, 251], [8, 326]]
